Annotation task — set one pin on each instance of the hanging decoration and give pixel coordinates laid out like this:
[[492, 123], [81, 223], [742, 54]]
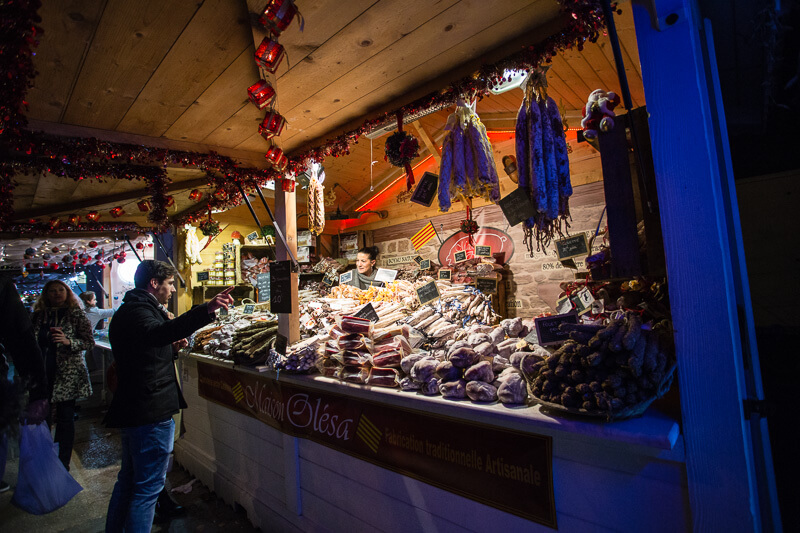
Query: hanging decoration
[[278, 14], [277, 158], [598, 115], [401, 148], [272, 125], [288, 184], [144, 205], [195, 195], [92, 216], [54, 222], [117, 212], [542, 163], [261, 94], [316, 199], [467, 170], [170, 201], [73, 219], [269, 54], [209, 227]]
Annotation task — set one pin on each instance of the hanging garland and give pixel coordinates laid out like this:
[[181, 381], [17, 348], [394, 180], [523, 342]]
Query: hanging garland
[[401, 148], [79, 158]]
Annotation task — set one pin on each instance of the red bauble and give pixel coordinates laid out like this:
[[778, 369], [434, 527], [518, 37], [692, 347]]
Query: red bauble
[[55, 249], [121, 260], [92, 244], [45, 264], [139, 246], [85, 260]]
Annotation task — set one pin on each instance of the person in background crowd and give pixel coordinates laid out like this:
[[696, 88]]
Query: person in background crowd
[[148, 394], [17, 341], [364, 276], [94, 313], [64, 335]]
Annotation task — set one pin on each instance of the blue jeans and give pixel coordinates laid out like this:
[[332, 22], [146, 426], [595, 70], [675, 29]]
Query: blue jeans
[[145, 455]]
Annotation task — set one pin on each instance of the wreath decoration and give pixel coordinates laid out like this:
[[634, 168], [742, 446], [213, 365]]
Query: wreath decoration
[[209, 228], [401, 148]]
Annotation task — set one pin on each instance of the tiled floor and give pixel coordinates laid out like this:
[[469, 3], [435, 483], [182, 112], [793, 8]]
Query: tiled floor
[[95, 463]]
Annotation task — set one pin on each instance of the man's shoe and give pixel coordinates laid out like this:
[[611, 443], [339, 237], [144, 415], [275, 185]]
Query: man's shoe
[[166, 509], [4, 486]]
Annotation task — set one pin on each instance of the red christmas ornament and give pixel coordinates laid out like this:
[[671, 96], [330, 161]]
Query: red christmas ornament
[[195, 195], [272, 125], [45, 264], [170, 201], [287, 185], [74, 263], [143, 205], [66, 259], [33, 221], [277, 15], [84, 260], [101, 264], [269, 55], [278, 159], [55, 249], [93, 216], [116, 256], [139, 246], [98, 256], [261, 94], [220, 194], [74, 219], [54, 222], [121, 260], [92, 244], [117, 212]]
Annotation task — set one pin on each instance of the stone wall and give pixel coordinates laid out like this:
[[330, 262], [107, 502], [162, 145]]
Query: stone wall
[[532, 280]]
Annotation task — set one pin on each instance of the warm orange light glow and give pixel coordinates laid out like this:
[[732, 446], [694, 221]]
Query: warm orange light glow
[[403, 175]]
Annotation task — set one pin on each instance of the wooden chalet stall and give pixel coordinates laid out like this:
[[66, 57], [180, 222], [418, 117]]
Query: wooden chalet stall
[[301, 451]]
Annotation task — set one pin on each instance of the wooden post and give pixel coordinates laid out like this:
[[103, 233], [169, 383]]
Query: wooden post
[[286, 219]]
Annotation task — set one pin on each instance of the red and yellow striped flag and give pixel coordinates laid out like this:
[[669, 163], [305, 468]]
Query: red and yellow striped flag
[[427, 233]]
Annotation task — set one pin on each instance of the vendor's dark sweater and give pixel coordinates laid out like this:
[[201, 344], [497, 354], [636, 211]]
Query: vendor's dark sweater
[[141, 338]]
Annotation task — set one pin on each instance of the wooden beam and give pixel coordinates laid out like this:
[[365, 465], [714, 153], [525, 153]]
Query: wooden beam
[[432, 148], [251, 159], [107, 199]]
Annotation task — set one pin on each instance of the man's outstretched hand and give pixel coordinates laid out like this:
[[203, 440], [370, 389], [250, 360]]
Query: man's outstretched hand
[[223, 299]]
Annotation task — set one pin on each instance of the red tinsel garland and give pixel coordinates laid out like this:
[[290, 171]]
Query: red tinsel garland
[[86, 158]]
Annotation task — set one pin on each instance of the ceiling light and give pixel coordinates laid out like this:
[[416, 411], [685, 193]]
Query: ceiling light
[[512, 79]]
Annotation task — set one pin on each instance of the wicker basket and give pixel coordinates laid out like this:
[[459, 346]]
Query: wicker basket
[[620, 414]]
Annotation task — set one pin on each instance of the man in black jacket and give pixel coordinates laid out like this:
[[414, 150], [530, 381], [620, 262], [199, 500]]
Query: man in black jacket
[[148, 394]]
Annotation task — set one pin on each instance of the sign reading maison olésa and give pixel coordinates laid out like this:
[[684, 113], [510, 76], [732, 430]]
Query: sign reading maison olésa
[[501, 468]]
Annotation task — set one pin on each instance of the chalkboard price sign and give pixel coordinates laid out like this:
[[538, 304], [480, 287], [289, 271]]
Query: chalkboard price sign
[[425, 265], [483, 251], [426, 189], [517, 207], [281, 342], [329, 279], [263, 286], [418, 259], [249, 309], [368, 312], [445, 273], [202, 276], [428, 293], [346, 278], [460, 257], [575, 246], [280, 286], [547, 328], [486, 285], [251, 237]]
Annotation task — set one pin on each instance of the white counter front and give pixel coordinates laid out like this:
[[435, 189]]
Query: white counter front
[[627, 475]]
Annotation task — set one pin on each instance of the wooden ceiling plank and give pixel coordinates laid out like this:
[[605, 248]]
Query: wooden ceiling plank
[[219, 102], [131, 41], [530, 24], [69, 26], [240, 132], [572, 79], [432, 149], [604, 69], [568, 92], [213, 39], [377, 29]]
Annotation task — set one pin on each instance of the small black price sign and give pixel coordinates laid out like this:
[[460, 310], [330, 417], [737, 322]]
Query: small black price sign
[[517, 206], [548, 331], [251, 237], [575, 246], [426, 189], [483, 251], [263, 286], [486, 285], [346, 277], [281, 342], [428, 293], [202, 276], [425, 265], [329, 279], [418, 260], [368, 312], [249, 309], [445, 273], [280, 286], [461, 256]]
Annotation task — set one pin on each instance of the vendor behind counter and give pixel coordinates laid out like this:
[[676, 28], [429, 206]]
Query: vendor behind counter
[[364, 276]]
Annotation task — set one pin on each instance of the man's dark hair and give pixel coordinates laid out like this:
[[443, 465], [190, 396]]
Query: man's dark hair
[[149, 269]]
